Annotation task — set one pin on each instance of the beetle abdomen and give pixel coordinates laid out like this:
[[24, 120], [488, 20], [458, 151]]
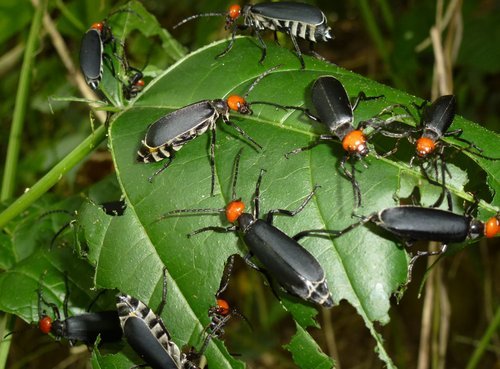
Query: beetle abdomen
[[301, 20], [172, 131], [293, 267], [428, 224], [91, 57]]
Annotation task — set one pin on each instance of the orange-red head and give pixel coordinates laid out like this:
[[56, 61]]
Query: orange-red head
[[491, 227], [234, 209], [45, 324], [239, 104], [222, 307], [234, 12], [425, 146], [97, 26], [355, 143]]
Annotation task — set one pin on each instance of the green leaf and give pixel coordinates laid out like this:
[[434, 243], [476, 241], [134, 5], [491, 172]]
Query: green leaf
[[364, 267], [301, 346]]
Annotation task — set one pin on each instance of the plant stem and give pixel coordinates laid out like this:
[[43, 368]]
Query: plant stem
[[485, 340], [9, 178], [54, 175], [376, 35], [6, 325]]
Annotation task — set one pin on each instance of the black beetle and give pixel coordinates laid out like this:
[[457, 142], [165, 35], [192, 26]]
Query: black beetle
[[168, 134], [147, 335], [300, 20], [335, 110], [284, 259], [83, 327], [435, 121], [416, 223]]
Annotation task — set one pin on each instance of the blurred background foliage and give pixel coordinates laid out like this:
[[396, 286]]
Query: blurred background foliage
[[387, 41]]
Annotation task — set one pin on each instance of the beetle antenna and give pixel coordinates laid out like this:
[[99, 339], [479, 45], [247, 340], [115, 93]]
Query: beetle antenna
[[185, 20], [124, 11], [259, 78], [56, 211], [174, 213]]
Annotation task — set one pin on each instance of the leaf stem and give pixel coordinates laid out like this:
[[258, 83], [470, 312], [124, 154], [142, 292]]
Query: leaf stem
[[54, 175], [6, 324], [485, 340], [376, 35], [9, 178]]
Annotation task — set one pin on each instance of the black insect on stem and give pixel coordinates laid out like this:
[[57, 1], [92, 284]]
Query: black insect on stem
[[334, 109], [283, 259], [84, 327], [415, 223], [92, 53], [298, 20], [171, 132]]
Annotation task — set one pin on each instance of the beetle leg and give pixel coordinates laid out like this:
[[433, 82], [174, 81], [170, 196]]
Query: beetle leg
[[314, 52], [231, 42], [228, 270], [291, 213], [354, 183], [335, 234], [418, 255], [214, 229], [242, 132], [250, 263], [456, 135], [256, 199], [263, 271], [445, 192], [163, 294], [262, 44], [212, 159], [297, 50], [53, 306], [59, 232], [362, 97], [317, 232], [311, 145], [165, 166]]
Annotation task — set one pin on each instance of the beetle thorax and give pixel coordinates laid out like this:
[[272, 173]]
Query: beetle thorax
[[58, 328], [476, 229], [220, 106], [245, 221]]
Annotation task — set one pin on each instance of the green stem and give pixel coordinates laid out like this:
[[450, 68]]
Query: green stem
[[69, 16], [376, 35], [9, 178], [54, 175], [6, 325], [485, 340], [386, 13]]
